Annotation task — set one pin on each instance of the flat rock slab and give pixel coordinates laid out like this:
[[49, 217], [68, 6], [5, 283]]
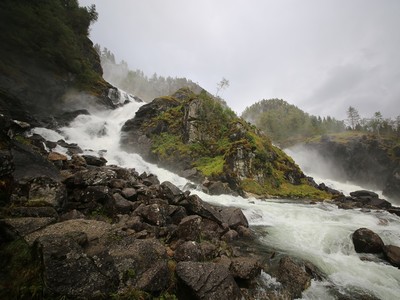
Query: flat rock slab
[[93, 229], [27, 225]]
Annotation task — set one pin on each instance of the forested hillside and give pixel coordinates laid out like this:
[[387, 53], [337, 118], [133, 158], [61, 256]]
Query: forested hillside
[[137, 82], [287, 124]]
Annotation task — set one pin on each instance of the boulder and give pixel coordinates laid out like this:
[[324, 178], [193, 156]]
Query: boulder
[[195, 205], [293, 276], [96, 176], [234, 217], [26, 225], [189, 228], [154, 214], [171, 192], [392, 254], [245, 267], [367, 241], [94, 160], [68, 271], [364, 193], [188, 251], [207, 281]]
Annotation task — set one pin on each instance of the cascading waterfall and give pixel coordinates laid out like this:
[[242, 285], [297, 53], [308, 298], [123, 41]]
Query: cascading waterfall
[[319, 233]]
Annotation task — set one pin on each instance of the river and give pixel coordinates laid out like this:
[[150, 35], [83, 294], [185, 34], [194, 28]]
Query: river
[[319, 233]]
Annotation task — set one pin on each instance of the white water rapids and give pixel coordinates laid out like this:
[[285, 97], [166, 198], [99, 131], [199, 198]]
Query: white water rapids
[[318, 233]]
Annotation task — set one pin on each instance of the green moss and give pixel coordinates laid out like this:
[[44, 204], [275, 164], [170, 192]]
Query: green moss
[[210, 166], [168, 145], [252, 186]]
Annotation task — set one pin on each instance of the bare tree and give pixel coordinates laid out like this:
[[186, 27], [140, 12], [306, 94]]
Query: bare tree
[[223, 84]]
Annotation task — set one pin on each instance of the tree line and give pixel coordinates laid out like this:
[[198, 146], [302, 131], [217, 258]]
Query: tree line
[[375, 124], [136, 82], [285, 123]]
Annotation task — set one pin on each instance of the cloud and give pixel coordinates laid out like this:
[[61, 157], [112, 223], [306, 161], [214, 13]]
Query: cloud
[[321, 56]]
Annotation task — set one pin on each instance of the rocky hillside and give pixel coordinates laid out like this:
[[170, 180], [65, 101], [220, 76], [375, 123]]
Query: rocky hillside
[[362, 158], [48, 64], [196, 136]]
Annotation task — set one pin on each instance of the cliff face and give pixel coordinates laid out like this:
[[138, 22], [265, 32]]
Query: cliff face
[[196, 136], [364, 159], [47, 61]]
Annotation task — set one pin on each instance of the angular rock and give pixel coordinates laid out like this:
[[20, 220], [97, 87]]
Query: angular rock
[[188, 251], [55, 156], [392, 254], [35, 212], [97, 176], [195, 205], [234, 217], [293, 276], [364, 193], [207, 281], [245, 267], [122, 205], [94, 160], [171, 192], [153, 214], [27, 225], [129, 193], [189, 228], [142, 264], [230, 236], [367, 241], [68, 272]]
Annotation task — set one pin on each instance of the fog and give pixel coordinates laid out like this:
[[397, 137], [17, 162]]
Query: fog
[[321, 56]]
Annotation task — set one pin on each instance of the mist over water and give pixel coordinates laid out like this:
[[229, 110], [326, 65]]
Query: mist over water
[[325, 171], [318, 233]]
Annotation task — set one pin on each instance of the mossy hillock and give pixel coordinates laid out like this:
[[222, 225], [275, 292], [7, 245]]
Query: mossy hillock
[[203, 140]]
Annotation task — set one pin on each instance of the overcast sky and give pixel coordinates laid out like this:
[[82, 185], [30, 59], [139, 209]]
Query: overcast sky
[[320, 55]]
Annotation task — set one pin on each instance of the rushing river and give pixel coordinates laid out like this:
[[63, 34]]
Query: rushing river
[[319, 233]]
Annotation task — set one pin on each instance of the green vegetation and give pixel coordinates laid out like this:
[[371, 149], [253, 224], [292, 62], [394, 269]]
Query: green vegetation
[[286, 124], [197, 131], [52, 32], [20, 276]]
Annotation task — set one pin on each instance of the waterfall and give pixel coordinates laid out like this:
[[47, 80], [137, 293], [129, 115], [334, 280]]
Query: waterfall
[[319, 233]]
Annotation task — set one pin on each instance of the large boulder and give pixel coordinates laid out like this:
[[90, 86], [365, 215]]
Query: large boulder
[[392, 254], [68, 271], [367, 241], [207, 281], [293, 276]]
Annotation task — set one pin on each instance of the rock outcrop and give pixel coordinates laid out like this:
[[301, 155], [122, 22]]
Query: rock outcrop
[[363, 159], [193, 135]]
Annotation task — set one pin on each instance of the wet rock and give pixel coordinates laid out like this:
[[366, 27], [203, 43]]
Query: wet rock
[[293, 276], [392, 254], [29, 163], [207, 281], [245, 267], [219, 188], [234, 217], [364, 193], [367, 241], [97, 176], [230, 236], [195, 205], [94, 161], [171, 192]]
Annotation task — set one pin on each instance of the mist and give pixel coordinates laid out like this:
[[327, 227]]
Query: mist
[[322, 56]]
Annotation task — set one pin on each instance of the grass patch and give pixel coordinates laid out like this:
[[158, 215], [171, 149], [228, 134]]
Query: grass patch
[[210, 166]]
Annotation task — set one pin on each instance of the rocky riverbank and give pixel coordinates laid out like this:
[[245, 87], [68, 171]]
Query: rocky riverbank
[[74, 227]]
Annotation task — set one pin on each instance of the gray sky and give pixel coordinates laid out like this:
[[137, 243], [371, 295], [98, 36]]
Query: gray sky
[[320, 55]]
